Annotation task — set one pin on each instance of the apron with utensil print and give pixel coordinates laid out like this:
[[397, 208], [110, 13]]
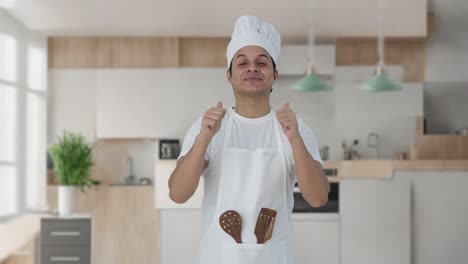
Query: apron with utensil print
[[250, 180]]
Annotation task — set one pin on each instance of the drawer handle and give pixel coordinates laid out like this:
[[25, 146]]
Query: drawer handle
[[64, 258], [65, 233]]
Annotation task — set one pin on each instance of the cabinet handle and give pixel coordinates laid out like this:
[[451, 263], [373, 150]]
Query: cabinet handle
[[64, 258], [65, 233]]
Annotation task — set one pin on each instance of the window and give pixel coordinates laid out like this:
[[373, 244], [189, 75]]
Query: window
[[23, 93], [8, 126]]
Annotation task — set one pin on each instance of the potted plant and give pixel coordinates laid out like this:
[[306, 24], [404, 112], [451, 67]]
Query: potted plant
[[73, 160]]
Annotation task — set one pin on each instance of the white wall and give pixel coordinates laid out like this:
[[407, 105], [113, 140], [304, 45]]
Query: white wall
[[445, 107], [446, 51], [446, 88], [345, 113]]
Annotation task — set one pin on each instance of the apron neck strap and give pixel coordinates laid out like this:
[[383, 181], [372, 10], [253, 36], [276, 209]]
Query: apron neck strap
[[276, 127]]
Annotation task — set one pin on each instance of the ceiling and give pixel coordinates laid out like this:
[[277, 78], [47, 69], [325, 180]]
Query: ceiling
[[333, 18]]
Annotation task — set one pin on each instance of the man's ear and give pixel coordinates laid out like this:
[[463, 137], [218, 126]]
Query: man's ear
[[275, 75], [228, 75]]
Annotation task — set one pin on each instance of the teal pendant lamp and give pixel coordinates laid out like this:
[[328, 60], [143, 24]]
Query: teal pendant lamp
[[311, 82], [379, 82]]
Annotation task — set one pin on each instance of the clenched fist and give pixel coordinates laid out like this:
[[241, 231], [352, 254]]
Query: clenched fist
[[287, 119], [211, 121]]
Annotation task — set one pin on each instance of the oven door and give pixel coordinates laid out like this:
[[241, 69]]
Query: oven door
[[332, 206]]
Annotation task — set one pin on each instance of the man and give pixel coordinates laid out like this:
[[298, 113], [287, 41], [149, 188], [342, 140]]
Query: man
[[249, 156]]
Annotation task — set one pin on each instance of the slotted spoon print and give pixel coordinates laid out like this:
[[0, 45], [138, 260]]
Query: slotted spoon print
[[231, 222]]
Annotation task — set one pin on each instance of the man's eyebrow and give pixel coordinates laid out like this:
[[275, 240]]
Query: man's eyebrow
[[243, 55]]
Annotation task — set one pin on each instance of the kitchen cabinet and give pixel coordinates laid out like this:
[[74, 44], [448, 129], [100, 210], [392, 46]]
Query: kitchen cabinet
[[316, 238], [375, 221], [156, 103], [65, 240], [125, 226], [180, 235], [439, 214]]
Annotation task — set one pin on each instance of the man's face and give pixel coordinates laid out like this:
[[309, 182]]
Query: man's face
[[252, 71]]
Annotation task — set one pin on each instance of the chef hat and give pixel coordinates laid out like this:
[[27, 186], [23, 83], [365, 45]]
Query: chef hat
[[251, 31]]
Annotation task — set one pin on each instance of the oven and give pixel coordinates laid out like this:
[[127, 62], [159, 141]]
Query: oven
[[332, 206]]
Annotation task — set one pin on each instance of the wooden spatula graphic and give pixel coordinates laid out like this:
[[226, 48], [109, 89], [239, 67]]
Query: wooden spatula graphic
[[231, 222], [265, 224]]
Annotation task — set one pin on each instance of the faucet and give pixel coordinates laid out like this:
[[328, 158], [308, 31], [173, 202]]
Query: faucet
[[375, 145], [130, 179]]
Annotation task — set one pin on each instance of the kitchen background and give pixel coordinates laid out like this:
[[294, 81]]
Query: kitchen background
[[128, 91]]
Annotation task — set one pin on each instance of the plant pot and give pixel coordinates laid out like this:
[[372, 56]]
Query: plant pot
[[66, 200]]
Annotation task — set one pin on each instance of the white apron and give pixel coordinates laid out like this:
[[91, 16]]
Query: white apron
[[250, 180]]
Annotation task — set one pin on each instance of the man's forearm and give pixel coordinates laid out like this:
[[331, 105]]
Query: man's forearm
[[186, 176], [313, 183]]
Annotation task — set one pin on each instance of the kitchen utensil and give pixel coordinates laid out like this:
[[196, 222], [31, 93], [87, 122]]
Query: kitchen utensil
[[265, 223], [145, 181], [231, 222], [349, 152], [400, 156], [375, 144], [324, 151], [464, 131]]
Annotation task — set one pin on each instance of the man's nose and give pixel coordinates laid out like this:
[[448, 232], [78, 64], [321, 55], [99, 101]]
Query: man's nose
[[253, 67]]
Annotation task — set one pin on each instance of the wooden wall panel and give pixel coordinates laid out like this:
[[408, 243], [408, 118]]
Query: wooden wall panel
[[72, 52], [159, 52], [115, 52], [203, 52], [410, 53]]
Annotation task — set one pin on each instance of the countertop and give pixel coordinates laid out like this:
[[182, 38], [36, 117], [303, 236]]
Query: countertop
[[385, 168]]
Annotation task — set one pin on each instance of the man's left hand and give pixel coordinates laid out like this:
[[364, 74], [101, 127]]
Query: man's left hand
[[287, 119]]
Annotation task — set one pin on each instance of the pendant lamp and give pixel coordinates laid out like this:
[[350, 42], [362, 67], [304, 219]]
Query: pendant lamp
[[380, 82], [311, 82]]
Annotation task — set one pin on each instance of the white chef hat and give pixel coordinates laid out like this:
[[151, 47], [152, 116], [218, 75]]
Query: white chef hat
[[251, 31]]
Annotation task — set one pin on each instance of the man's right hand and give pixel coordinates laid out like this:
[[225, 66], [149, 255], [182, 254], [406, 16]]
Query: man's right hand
[[211, 121]]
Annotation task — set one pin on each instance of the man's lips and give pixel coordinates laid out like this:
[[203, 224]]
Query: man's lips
[[253, 79]]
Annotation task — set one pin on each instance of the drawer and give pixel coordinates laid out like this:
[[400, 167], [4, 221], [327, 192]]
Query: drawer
[[65, 232], [65, 255]]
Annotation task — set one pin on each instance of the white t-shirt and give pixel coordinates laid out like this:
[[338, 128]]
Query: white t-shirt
[[248, 133]]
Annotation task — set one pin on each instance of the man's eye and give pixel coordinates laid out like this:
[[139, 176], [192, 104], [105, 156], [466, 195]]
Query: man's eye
[[261, 63], [242, 64]]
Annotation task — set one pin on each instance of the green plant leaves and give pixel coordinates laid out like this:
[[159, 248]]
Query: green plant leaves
[[73, 160]]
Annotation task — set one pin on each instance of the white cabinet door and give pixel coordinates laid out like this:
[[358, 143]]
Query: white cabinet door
[[180, 236], [375, 221], [316, 241], [159, 103], [126, 105]]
